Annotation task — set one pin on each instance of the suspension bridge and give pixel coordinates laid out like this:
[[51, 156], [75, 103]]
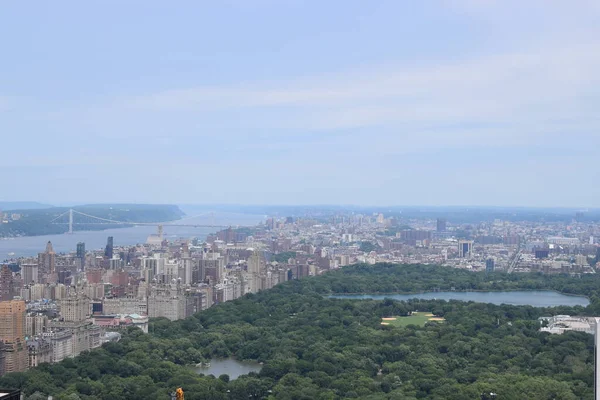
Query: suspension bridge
[[68, 218]]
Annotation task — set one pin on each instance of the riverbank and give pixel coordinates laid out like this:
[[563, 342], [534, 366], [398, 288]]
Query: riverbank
[[29, 246], [56, 220]]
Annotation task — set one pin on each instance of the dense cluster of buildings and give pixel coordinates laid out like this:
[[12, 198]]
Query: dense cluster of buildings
[[55, 306], [522, 246]]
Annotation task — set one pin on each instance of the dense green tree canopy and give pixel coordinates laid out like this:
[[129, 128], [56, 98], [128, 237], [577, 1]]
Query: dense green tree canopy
[[314, 347]]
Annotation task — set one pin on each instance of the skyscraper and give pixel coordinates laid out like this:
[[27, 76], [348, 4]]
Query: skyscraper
[[440, 225], [465, 248], [81, 254], [80, 249], [108, 251], [12, 334], [29, 272], [6, 283], [47, 260], [489, 265]]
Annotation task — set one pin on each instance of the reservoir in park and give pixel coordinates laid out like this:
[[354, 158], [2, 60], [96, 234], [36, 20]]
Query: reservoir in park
[[535, 298]]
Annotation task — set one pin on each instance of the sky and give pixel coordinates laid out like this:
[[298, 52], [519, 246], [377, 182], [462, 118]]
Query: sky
[[428, 103]]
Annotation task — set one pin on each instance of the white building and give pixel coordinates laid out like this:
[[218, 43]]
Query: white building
[[62, 345], [125, 305]]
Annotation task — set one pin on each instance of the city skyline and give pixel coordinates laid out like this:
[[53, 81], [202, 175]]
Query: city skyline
[[462, 102], [234, 207]]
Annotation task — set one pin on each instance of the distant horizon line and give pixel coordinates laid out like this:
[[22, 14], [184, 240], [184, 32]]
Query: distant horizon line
[[348, 205]]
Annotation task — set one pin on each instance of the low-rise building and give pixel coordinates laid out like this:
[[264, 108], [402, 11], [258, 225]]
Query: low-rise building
[[559, 324]]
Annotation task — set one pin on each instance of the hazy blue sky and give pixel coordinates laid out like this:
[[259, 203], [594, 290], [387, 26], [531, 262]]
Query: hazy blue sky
[[296, 102]]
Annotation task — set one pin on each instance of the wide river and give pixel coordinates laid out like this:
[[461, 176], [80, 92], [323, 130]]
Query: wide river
[[32, 245], [535, 298]]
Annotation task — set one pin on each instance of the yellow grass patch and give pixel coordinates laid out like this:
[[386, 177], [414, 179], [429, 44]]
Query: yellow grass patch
[[385, 323], [436, 319], [429, 315]]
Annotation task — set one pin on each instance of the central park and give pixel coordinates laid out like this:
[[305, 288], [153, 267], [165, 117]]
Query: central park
[[313, 346]]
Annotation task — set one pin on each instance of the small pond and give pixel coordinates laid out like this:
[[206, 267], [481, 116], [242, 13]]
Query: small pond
[[229, 366]]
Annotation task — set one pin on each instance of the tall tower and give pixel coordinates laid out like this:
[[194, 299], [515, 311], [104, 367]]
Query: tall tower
[[465, 248], [6, 284], [108, 251], [81, 250], [255, 270], [47, 260], [81, 255], [12, 333], [29, 272]]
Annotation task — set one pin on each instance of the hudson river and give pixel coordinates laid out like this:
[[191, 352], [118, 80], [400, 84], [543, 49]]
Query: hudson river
[[32, 245]]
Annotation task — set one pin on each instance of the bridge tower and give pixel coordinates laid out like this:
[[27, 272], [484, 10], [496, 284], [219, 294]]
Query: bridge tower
[[70, 220]]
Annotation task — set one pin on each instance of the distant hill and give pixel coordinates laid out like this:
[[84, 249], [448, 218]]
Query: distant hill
[[22, 205], [34, 222]]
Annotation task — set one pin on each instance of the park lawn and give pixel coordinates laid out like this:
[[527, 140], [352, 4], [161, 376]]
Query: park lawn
[[417, 318]]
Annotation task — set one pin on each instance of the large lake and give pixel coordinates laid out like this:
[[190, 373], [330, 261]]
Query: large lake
[[32, 245], [229, 366], [535, 298]]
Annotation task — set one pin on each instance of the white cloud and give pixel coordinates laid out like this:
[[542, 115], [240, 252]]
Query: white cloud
[[525, 88]]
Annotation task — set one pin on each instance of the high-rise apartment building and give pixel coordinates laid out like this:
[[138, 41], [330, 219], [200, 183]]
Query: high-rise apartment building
[[81, 249], [12, 334], [2, 359], [186, 267], [465, 248], [30, 273], [74, 308], [169, 301], [211, 266], [81, 254], [489, 265], [256, 269], [6, 283], [35, 324]]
